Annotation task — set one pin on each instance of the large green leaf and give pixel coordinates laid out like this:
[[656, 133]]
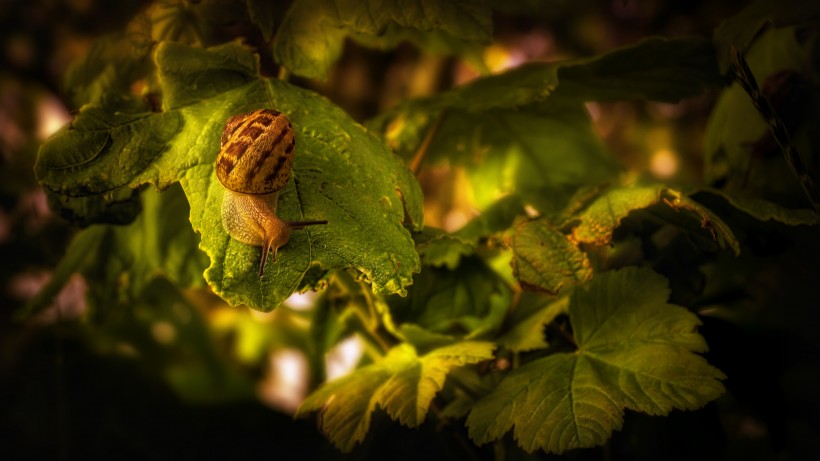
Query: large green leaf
[[635, 351], [402, 383], [526, 131], [341, 173], [312, 33]]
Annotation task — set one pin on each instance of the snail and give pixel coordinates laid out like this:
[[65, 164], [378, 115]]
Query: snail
[[253, 165]]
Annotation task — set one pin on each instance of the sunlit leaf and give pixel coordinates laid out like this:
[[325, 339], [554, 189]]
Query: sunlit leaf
[[202, 89], [402, 383], [635, 351], [600, 219], [496, 218]]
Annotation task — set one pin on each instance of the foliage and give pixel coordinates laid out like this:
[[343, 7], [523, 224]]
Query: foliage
[[575, 291]]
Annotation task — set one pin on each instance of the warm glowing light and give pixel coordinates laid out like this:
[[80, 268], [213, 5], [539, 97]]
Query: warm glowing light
[[302, 301], [499, 58], [51, 116], [455, 219], [343, 358], [286, 384], [163, 332], [664, 163]]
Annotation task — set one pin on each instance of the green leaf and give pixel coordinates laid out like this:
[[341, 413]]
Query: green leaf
[[402, 383], [261, 13], [123, 260], [466, 302], [598, 221], [526, 131], [312, 33], [112, 64], [529, 320], [341, 173], [655, 69], [763, 210], [544, 259], [496, 218], [635, 351], [121, 206], [743, 28], [541, 152], [439, 249]]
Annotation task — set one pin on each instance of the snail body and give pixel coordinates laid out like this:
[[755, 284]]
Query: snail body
[[253, 165]]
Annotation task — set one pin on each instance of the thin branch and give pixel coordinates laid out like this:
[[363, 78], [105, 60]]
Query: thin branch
[[421, 152], [744, 76]]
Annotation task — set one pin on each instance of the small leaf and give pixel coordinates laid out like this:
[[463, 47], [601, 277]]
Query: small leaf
[[402, 383], [312, 33], [635, 351], [543, 258]]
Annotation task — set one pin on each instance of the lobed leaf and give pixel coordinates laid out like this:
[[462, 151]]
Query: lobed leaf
[[635, 351], [341, 173], [402, 383]]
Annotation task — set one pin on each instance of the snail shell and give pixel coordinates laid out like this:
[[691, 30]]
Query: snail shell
[[257, 152], [253, 165]]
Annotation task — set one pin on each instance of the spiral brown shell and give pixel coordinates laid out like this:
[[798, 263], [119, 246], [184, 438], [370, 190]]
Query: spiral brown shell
[[257, 152]]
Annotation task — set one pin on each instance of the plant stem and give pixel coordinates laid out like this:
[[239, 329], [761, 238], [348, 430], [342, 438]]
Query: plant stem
[[744, 76], [421, 152]]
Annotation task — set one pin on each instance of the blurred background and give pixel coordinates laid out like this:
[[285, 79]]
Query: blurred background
[[176, 372]]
